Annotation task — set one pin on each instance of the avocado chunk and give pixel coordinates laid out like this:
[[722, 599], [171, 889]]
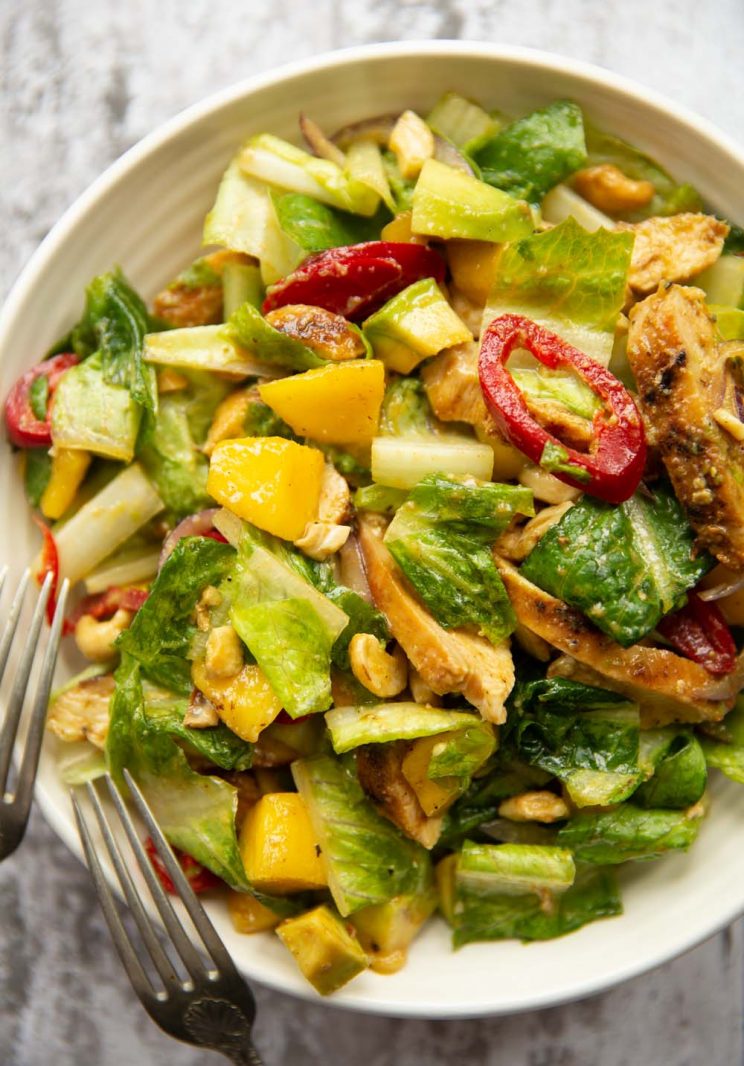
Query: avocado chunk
[[91, 413], [415, 324], [448, 203], [326, 953], [386, 930]]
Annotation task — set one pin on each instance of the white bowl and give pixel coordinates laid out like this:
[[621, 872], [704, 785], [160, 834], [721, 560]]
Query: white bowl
[[145, 213]]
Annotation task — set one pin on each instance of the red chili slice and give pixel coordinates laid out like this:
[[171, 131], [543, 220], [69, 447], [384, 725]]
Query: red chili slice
[[357, 279], [199, 877], [613, 468], [24, 428], [699, 631], [48, 564]]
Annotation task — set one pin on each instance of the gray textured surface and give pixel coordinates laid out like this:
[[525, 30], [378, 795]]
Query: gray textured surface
[[79, 82]]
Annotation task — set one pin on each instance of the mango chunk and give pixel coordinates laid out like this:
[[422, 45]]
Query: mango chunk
[[433, 795], [271, 482], [336, 404], [69, 467], [323, 948], [246, 702], [278, 847], [473, 265], [386, 930], [248, 915]]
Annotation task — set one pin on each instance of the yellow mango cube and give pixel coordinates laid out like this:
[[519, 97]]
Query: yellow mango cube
[[336, 404], [473, 265], [433, 795], [246, 702], [271, 482], [69, 467], [278, 846], [248, 915]]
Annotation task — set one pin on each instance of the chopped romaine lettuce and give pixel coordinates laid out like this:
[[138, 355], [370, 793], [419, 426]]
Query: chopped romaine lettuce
[[625, 567], [37, 470], [528, 157], [367, 859], [363, 618], [208, 348], [315, 227], [379, 498], [680, 775], [241, 283], [588, 737], [558, 386], [243, 219], [114, 322], [381, 723], [401, 462], [628, 832], [441, 540], [567, 280], [282, 164], [727, 754], [461, 121], [92, 413], [448, 203], [406, 411], [162, 631], [105, 521], [365, 163], [164, 713]]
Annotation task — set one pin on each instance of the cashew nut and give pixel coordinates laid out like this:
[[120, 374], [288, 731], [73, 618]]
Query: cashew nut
[[201, 713], [96, 639], [608, 189], [322, 539], [335, 496], [82, 712], [223, 655], [539, 806], [383, 674]]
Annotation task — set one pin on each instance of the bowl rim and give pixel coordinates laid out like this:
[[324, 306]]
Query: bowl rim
[[170, 129]]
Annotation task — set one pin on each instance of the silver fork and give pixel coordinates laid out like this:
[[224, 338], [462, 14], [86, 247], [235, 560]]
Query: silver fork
[[15, 805], [213, 1007]]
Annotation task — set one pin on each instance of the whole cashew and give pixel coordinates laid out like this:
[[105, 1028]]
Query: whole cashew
[[96, 639], [382, 674]]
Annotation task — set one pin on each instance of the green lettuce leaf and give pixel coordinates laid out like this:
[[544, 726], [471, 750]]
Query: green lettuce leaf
[[441, 537], [363, 618], [315, 226], [627, 566], [248, 328], [169, 444], [37, 470], [367, 859], [727, 754], [114, 322], [485, 911], [680, 774], [568, 280], [628, 832], [160, 636], [528, 157], [587, 737], [217, 744], [669, 197], [406, 411]]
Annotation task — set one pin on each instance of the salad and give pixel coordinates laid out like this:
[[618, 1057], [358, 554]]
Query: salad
[[408, 527]]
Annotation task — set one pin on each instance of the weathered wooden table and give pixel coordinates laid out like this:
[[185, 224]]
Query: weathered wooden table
[[81, 81]]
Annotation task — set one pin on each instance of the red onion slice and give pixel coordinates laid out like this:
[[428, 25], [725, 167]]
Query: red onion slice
[[351, 566], [377, 129], [717, 592], [195, 525], [318, 143]]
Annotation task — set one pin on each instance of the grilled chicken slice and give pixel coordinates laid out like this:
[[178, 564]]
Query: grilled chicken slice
[[82, 712], [681, 370], [448, 660], [668, 687], [675, 248], [381, 777], [452, 385]]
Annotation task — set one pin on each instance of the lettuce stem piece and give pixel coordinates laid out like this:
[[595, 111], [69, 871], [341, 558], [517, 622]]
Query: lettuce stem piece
[[209, 348], [122, 507], [401, 462], [381, 723]]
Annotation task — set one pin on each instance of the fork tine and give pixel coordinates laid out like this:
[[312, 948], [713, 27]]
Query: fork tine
[[196, 912], [30, 761], [12, 622], [183, 945], [119, 935], [20, 684], [144, 924]]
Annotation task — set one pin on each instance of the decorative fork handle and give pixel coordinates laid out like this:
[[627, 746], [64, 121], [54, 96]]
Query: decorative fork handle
[[247, 1056]]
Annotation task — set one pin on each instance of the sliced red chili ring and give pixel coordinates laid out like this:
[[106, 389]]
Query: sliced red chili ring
[[700, 632], [25, 429], [613, 467], [357, 279]]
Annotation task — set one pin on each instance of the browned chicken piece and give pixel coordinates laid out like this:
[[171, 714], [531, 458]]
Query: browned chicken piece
[[183, 303], [447, 660], [452, 385], [681, 373], [82, 712], [675, 248], [327, 334], [381, 777], [608, 189], [667, 687]]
